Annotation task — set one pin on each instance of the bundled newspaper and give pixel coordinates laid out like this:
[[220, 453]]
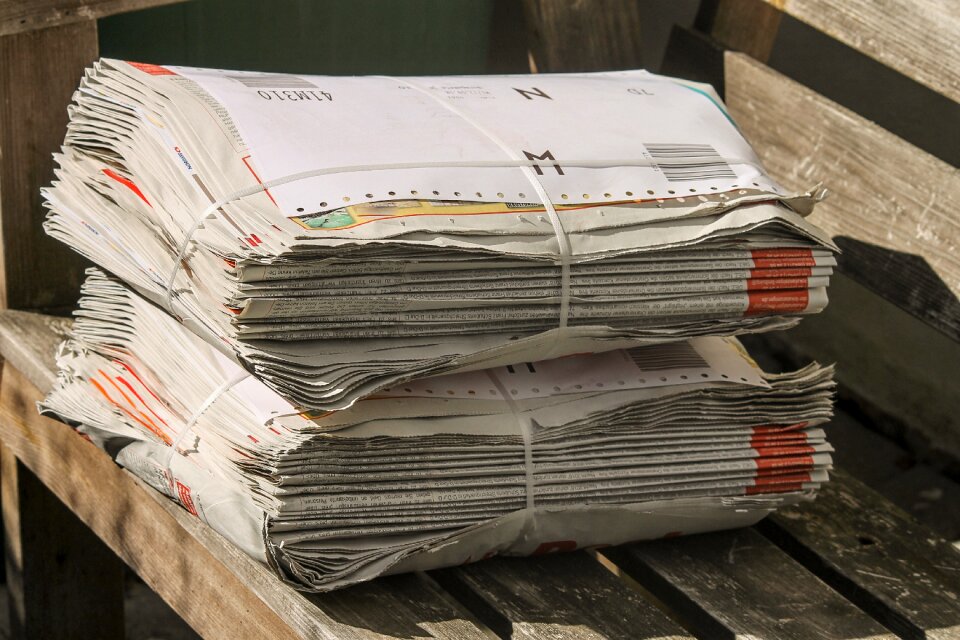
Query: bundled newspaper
[[529, 458], [338, 236]]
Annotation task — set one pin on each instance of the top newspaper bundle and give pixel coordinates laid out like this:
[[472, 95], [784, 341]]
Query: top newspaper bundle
[[337, 236]]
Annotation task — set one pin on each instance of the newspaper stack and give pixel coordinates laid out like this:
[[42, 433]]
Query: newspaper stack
[[585, 450], [338, 236]]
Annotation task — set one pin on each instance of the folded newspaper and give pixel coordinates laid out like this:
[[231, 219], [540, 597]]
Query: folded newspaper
[[338, 236], [529, 458]]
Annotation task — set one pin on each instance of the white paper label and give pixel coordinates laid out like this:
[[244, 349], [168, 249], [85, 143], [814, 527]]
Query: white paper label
[[295, 124]]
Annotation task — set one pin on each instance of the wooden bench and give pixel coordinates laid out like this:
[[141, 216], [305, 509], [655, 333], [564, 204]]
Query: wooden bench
[[850, 565]]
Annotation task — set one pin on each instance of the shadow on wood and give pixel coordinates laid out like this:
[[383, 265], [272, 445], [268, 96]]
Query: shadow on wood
[[905, 279]]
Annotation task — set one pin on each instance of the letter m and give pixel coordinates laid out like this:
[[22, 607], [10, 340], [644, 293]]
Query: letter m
[[546, 155]]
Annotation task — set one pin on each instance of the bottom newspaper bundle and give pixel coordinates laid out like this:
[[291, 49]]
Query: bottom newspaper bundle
[[531, 458]]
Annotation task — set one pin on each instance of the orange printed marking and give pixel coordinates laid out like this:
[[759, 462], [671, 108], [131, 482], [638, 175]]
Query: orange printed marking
[[134, 392], [784, 301], [152, 69], [781, 253], [129, 369], [265, 190], [773, 441], [783, 450], [781, 485], [776, 428], [164, 437], [785, 462], [130, 402], [760, 434], [799, 272], [779, 263], [761, 284], [129, 184], [183, 492]]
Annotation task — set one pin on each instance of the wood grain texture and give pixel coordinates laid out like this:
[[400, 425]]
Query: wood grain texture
[[39, 71], [893, 207], [20, 16], [62, 581], [556, 598], [738, 584], [877, 556], [29, 342], [216, 588], [918, 38], [586, 35], [749, 26]]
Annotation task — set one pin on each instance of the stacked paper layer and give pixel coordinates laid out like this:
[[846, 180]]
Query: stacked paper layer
[[585, 450], [341, 235]]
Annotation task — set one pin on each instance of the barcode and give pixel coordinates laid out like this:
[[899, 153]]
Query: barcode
[[273, 81], [679, 355], [684, 162]]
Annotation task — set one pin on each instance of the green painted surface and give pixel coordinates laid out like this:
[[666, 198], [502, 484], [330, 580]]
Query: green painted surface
[[339, 37]]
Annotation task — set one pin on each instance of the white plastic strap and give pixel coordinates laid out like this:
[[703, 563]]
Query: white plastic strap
[[214, 395], [563, 243], [523, 426], [524, 164]]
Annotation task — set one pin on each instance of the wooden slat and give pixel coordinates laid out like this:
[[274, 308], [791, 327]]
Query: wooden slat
[[588, 35], [571, 597], [919, 38], [29, 341], [39, 71], [738, 584], [693, 56], [62, 581], [750, 26], [893, 207], [19, 16], [216, 588], [895, 368], [877, 556]]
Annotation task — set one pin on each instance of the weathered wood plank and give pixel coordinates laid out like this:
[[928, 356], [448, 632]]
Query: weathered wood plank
[[588, 35], [29, 341], [570, 597], [694, 56], [39, 71], [750, 26], [877, 556], [893, 207], [918, 38], [738, 584], [897, 369], [62, 581], [216, 588], [19, 16]]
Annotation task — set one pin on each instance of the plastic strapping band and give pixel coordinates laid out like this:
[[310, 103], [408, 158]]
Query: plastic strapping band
[[523, 426], [563, 243], [524, 164], [219, 391]]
